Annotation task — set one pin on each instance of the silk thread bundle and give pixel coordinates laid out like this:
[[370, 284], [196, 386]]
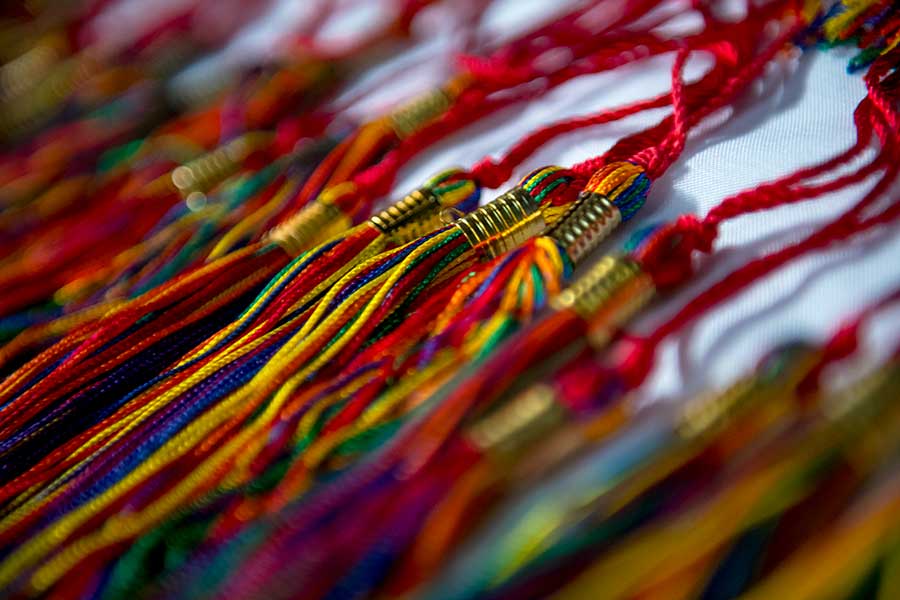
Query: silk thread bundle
[[412, 456], [404, 17], [219, 409], [322, 171], [348, 198], [398, 343], [184, 288], [684, 229], [675, 266], [872, 25], [188, 180], [284, 302], [839, 347]]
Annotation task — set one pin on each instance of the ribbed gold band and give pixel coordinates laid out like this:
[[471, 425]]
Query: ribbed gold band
[[413, 216], [503, 224], [582, 229]]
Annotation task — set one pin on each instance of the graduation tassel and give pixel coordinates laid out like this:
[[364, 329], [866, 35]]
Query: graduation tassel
[[196, 363], [609, 294], [76, 472], [355, 201], [485, 307], [159, 245], [264, 312], [298, 410], [314, 400], [571, 382]]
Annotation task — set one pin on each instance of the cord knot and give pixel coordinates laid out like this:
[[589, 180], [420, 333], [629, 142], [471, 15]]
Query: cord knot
[[699, 234], [668, 255], [491, 174]]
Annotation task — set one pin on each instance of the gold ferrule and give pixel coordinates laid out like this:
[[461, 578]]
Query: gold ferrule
[[313, 224], [866, 413], [411, 117], [40, 100], [607, 295], [24, 72], [527, 417], [411, 217], [604, 285], [503, 224], [586, 225], [204, 173], [763, 391], [864, 398], [710, 411]]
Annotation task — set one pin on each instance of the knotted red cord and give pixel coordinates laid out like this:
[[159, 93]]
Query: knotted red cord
[[667, 257]]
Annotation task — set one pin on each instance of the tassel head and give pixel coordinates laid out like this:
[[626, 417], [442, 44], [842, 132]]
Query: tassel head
[[610, 293], [418, 213], [204, 173], [590, 221], [315, 223], [503, 224]]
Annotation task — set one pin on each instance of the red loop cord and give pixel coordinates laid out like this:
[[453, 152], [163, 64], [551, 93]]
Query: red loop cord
[[667, 256]]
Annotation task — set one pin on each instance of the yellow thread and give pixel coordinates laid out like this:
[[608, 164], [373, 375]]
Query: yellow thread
[[248, 223], [834, 27], [127, 525], [375, 413], [124, 426], [28, 371]]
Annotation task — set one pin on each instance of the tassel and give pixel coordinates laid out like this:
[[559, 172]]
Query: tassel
[[630, 203], [396, 366], [413, 454]]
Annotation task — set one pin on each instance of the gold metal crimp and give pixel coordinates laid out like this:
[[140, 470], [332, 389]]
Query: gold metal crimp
[[586, 225], [709, 412], [39, 101], [527, 417], [411, 217], [863, 399], [503, 224], [207, 171], [313, 224], [420, 111], [609, 294]]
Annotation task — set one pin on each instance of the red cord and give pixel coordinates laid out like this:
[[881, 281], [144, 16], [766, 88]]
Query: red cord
[[668, 256]]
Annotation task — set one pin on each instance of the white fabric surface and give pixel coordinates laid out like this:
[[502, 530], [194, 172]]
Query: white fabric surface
[[801, 113]]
